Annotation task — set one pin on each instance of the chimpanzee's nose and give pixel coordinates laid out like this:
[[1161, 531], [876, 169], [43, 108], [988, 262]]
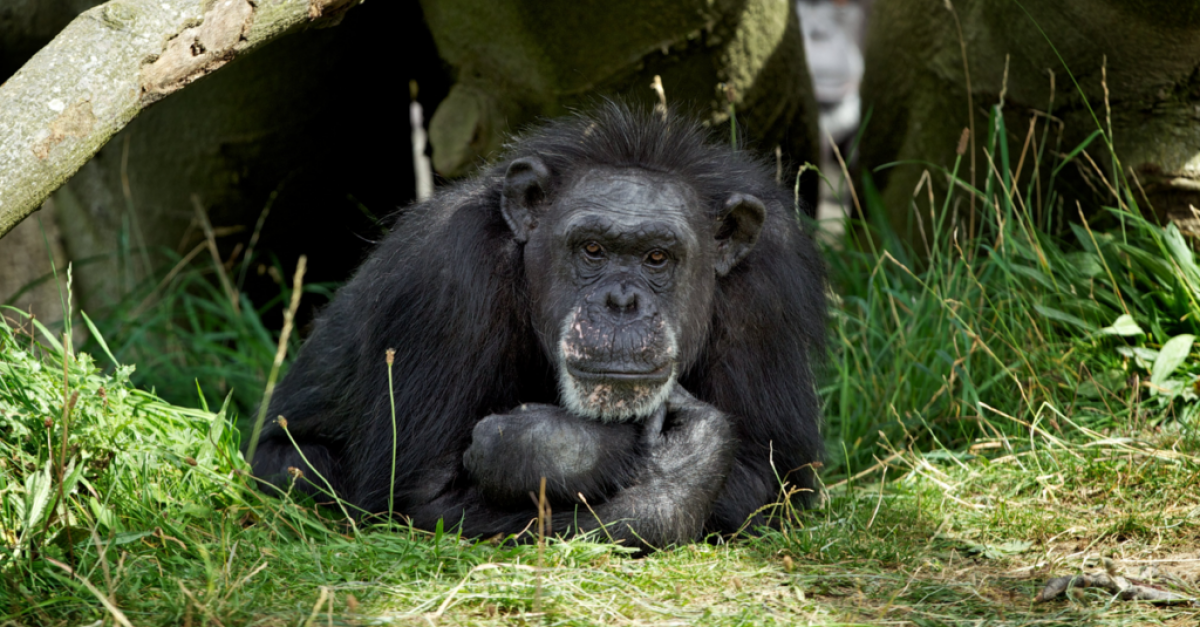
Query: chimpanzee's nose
[[622, 297]]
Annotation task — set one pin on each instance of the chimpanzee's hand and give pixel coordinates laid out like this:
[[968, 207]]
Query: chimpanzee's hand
[[690, 454], [510, 453]]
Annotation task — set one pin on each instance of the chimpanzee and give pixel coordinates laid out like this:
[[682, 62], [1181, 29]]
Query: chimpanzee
[[621, 304]]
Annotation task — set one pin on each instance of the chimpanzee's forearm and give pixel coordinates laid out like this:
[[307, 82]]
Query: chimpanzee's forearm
[[510, 454]]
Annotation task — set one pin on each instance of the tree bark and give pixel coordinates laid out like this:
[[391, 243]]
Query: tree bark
[[517, 61], [917, 87], [108, 65]]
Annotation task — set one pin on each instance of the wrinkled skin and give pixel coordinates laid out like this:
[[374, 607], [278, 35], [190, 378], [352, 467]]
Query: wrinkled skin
[[620, 268]]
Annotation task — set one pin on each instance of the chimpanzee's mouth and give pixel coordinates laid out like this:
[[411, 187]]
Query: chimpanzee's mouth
[[615, 394], [633, 375], [615, 374]]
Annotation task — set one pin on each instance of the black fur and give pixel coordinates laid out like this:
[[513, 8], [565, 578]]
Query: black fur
[[447, 289]]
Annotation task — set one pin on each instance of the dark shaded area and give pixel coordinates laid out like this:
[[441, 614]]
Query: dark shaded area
[[357, 168], [320, 116], [335, 204], [28, 25]]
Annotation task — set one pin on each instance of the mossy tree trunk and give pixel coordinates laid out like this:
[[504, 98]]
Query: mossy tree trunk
[[516, 61], [917, 89]]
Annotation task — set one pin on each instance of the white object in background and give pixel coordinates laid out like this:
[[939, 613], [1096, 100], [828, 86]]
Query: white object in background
[[832, 32], [422, 169]]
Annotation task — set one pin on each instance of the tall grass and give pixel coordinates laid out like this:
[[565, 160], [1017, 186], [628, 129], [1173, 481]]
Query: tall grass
[[117, 506], [89, 463], [192, 342], [940, 339]]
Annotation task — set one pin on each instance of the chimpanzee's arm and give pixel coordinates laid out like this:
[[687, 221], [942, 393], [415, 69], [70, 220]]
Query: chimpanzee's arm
[[510, 453], [319, 473], [673, 489]]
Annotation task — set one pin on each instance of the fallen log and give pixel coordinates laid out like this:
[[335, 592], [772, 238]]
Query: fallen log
[[112, 62]]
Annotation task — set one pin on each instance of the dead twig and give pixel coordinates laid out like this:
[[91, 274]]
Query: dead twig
[[1125, 589]]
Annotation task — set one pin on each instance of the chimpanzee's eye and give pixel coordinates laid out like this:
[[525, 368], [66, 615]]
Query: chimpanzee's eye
[[656, 258], [593, 250]]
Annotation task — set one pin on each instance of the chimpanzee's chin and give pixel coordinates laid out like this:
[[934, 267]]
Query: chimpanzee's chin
[[612, 397]]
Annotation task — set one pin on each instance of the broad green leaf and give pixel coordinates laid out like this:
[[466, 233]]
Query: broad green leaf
[[1124, 326], [1169, 389], [1173, 353], [1182, 254], [1148, 354], [1154, 264], [73, 473], [105, 516], [37, 498], [1084, 264]]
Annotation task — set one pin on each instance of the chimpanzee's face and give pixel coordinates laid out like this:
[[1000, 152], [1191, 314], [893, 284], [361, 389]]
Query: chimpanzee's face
[[619, 267], [622, 266]]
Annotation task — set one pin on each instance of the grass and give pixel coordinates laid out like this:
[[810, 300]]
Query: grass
[[1001, 409], [943, 339], [190, 330], [165, 529]]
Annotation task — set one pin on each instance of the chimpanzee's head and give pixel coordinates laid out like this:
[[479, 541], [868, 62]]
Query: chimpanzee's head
[[622, 263]]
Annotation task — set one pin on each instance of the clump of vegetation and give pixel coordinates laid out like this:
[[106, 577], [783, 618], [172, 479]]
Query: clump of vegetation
[[977, 337], [197, 337]]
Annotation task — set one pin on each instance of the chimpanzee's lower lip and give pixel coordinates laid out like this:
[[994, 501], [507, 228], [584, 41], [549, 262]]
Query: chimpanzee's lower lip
[[660, 373]]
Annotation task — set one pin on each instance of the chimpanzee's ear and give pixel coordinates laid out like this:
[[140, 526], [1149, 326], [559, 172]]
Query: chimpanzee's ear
[[524, 187], [738, 227]]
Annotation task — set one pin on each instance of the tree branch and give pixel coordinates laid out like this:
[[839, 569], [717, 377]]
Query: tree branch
[[108, 65]]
